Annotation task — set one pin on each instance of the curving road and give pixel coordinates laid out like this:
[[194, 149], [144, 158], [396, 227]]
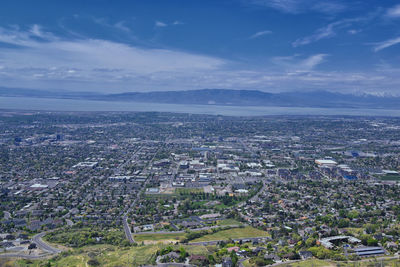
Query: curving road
[[37, 239], [43, 245]]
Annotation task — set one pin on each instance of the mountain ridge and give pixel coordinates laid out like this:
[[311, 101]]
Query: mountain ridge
[[224, 97]]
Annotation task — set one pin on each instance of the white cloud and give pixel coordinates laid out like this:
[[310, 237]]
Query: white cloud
[[93, 60], [296, 63], [312, 61], [353, 31], [386, 44], [17, 37], [121, 26], [302, 6], [160, 24], [260, 33], [99, 53], [84, 64], [328, 31], [322, 33], [36, 30], [394, 12]]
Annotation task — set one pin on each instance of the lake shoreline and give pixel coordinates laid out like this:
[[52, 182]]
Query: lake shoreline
[[56, 104]]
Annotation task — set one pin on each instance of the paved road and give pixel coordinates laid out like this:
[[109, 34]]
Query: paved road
[[127, 228], [255, 197], [120, 168], [117, 171], [48, 249], [43, 245]]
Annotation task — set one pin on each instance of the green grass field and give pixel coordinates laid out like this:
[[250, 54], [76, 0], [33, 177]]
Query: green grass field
[[355, 231], [183, 191], [228, 222], [234, 233], [106, 255], [158, 237], [311, 263], [390, 177]]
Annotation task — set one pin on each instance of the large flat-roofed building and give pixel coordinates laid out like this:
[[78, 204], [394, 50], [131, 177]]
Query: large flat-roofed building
[[325, 162], [153, 190], [390, 172], [328, 242], [38, 186], [119, 178], [369, 251], [86, 164]]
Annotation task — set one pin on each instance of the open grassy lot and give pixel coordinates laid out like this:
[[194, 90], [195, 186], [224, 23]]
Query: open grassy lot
[[246, 263], [175, 192], [310, 263], [184, 191], [159, 237], [6, 262], [106, 255], [233, 233], [390, 177], [228, 222], [355, 231], [79, 237]]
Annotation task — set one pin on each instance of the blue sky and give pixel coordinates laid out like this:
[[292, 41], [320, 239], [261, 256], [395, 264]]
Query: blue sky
[[268, 45]]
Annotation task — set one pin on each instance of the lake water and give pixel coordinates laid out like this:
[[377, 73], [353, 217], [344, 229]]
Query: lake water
[[46, 104]]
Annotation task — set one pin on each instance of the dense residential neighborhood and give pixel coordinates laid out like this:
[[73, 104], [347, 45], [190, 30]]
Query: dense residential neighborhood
[[140, 189]]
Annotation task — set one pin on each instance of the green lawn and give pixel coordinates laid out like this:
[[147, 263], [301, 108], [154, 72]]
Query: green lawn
[[390, 177], [234, 233], [158, 237], [311, 263], [228, 222], [106, 255], [355, 231], [246, 263], [183, 191]]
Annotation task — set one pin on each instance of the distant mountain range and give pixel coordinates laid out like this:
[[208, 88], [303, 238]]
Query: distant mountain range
[[321, 99]]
